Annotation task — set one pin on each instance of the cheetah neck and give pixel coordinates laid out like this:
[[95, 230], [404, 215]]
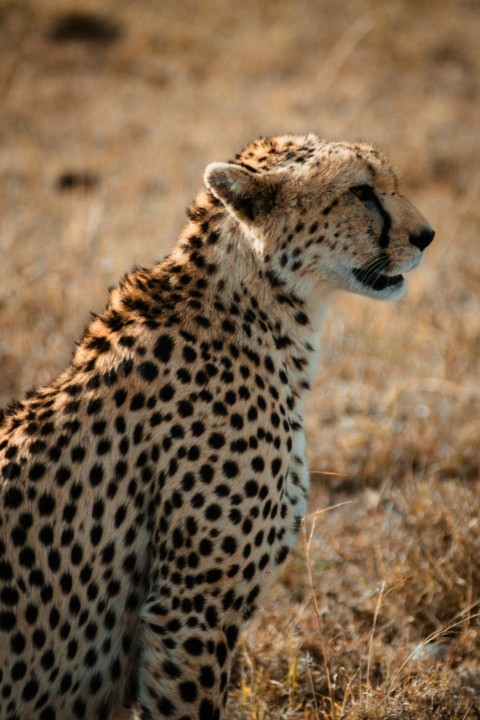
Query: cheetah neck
[[281, 315]]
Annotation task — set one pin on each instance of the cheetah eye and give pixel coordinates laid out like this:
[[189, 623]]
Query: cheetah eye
[[363, 192], [367, 195]]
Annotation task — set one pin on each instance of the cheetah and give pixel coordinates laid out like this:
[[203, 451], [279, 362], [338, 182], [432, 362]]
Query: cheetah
[[151, 492]]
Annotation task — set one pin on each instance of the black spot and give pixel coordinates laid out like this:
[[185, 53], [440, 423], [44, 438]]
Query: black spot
[[230, 469], [76, 554], [166, 393], [94, 382], [252, 413], [258, 464], [46, 535], [216, 440], [221, 653], [94, 406], [54, 560], [219, 409], [102, 345], [171, 669], [276, 465], [120, 516], [37, 471], [137, 402], [211, 616], [228, 326], [253, 595], [126, 367], [251, 488], [47, 660], [188, 691], [31, 614], [281, 555], [36, 447], [155, 419], [95, 683], [236, 421], [6, 571], [7, 621], [213, 512], [18, 670], [72, 649], [98, 427], [124, 340], [9, 596], [207, 677], [13, 498], [91, 658], [301, 318], [77, 453], [184, 376], [48, 713], [229, 545], [198, 428], [98, 509], [231, 635], [249, 571], [103, 447], [207, 711], [185, 408], [79, 708], [206, 474], [189, 354], [163, 348], [17, 643], [96, 534], [148, 370], [108, 553], [96, 475], [193, 646], [166, 707], [213, 576], [120, 397], [66, 583], [110, 377]]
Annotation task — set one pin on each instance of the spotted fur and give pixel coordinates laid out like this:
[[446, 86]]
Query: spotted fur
[[151, 492]]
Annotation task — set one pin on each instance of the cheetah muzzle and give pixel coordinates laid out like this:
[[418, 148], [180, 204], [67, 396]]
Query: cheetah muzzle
[[151, 492]]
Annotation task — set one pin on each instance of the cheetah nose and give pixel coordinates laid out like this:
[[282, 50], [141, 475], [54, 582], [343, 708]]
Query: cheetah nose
[[422, 239]]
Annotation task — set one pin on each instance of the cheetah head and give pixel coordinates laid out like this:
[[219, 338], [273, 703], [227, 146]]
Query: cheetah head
[[324, 213]]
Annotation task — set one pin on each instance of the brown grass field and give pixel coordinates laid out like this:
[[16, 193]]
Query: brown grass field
[[110, 109]]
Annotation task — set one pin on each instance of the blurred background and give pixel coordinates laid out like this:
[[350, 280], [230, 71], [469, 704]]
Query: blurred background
[[109, 112]]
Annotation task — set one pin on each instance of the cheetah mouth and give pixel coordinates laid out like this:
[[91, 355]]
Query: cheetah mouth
[[374, 280]]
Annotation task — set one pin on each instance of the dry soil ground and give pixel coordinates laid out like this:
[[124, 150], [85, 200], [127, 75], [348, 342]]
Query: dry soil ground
[[109, 111]]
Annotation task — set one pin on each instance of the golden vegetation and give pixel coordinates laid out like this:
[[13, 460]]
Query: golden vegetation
[[110, 110]]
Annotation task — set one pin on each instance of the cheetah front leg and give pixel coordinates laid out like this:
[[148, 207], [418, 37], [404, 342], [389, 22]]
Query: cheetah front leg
[[185, 659]]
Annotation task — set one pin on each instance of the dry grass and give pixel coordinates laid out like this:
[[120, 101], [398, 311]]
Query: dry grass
[[109, 112], [377, 615]]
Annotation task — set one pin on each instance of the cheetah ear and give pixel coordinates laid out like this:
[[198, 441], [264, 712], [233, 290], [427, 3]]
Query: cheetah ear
[[244, 192]]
